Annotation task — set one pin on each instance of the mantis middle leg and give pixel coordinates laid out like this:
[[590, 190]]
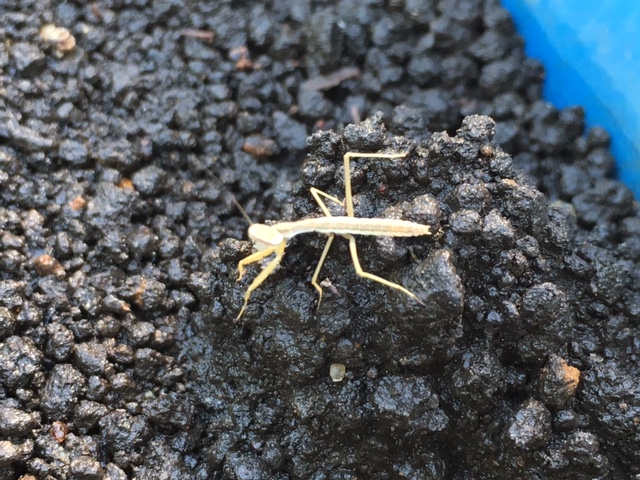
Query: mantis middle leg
[[347, 173], [317, 194]]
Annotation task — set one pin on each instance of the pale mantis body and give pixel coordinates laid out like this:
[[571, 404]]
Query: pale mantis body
[[272, 239]]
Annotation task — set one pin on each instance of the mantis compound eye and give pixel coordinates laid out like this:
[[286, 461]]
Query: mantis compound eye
[[264, 236]]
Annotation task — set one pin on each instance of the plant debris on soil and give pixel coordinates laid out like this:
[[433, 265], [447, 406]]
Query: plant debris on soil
[[124, 126]]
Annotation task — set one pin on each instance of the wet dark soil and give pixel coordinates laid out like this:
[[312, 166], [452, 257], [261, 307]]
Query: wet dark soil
[[122, 134]]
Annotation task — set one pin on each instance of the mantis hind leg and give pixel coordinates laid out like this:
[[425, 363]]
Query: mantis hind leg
[[371, 276]]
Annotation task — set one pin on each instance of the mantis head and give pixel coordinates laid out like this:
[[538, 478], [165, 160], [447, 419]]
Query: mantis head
[[264, 236]]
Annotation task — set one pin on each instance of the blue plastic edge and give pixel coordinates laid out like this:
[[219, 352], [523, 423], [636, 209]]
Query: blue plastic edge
[[591, 53]]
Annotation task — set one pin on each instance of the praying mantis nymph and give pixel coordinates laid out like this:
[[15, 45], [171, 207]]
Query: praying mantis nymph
[[272, 239]]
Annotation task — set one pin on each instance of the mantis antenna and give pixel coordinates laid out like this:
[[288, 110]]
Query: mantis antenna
[[226, 189]]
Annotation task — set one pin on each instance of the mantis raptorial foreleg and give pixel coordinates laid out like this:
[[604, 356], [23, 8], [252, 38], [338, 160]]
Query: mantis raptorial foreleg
[[266, 271], [253, 258]]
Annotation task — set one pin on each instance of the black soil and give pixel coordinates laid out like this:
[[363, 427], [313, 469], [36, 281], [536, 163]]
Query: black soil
[[119, 353]]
